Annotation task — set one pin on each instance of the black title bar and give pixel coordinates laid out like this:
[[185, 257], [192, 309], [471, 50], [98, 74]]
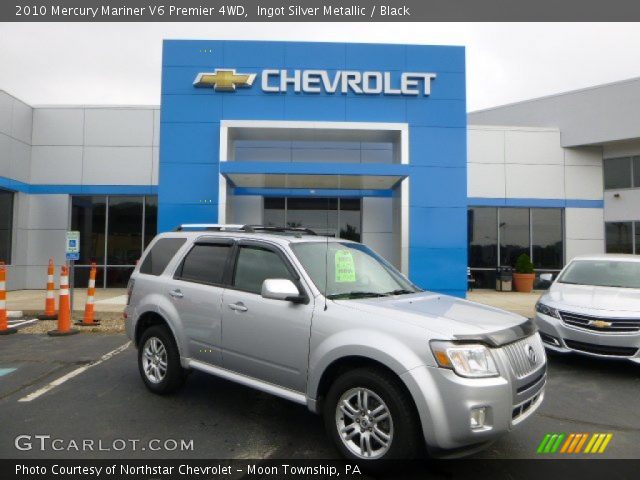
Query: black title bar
[[314, 11]]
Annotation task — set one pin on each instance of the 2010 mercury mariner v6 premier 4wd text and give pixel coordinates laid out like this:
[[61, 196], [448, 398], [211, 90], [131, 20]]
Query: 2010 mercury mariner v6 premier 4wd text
[[329, 324]]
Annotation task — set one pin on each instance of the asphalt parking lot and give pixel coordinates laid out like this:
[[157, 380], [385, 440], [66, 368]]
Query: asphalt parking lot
[[218, 419]]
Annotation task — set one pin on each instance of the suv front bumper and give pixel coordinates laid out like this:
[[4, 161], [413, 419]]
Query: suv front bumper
[[445, 402]]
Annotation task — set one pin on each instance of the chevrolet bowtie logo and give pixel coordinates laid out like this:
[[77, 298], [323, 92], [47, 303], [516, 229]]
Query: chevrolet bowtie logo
[[224, 79], [599, 323]]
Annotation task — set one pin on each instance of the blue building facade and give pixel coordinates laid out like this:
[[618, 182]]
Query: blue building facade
[[416, 90]]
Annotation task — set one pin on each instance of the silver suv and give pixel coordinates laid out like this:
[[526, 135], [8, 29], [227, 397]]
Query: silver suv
[[329, 324]]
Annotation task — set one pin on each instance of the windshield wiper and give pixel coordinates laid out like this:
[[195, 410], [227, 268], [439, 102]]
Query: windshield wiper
[[356, 294], [400, 291]]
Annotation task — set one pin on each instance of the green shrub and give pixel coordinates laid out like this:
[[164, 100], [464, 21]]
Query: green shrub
[[524, 264]]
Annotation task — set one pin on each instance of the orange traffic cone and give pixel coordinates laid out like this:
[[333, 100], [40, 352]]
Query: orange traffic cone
[[50, 301], [88, 320], [64, 307], [4, 323]]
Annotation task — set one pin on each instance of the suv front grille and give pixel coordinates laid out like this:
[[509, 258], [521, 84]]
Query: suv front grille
[[601, 349], [601, 324], [525, 356]]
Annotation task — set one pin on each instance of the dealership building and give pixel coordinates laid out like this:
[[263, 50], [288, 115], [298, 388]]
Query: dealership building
[[359, 141]]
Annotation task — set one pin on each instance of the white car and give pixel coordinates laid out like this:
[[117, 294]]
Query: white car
[[593, 308]]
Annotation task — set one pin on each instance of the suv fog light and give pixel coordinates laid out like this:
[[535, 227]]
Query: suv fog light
[[477, 417]]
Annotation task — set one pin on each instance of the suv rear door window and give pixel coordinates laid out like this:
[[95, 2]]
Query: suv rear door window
[[255, 265], [160, 255], [205, 263]]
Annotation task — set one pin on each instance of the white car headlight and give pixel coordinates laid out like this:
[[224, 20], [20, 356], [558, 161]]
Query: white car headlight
[[547, 310], [470, 360]]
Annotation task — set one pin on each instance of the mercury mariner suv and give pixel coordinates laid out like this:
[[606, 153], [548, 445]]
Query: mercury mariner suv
[[329, 324]]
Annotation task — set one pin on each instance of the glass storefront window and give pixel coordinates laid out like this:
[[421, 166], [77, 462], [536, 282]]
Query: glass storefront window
[[498, 236], [636, 172], [617, 173], [6, 225], [88, 216], [483, 237], [121, 226], [124, 244], [547, 246], [514, 234], [274, 208], [619, 237], [150, 219], [350, 219], [334, 217], [637, 239]]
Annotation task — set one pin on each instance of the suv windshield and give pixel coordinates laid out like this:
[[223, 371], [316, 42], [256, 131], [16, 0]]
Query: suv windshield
[[354, 271], [602, 273]]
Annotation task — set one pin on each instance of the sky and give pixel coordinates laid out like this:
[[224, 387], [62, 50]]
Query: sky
[[119, 63]]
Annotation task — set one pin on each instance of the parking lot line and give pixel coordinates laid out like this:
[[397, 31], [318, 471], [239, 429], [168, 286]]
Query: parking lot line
[[14, 324], [59, 381]]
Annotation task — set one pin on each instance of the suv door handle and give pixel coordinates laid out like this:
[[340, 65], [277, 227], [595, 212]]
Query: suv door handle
[[238, 307], [176, 293]]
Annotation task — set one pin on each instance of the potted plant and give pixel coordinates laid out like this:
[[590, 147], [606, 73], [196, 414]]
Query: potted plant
[[524, 275]]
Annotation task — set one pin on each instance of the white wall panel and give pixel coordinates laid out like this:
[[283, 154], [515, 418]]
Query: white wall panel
[[6, 111], [58, 126], [5, 155], [383, 244], [625, 207], [117, 165], [245, 209], [155, 165], [534, 181], [59, 165], [377, 215], [22, 121], [533, 147], [118, 126], [486, 180], [621, 149], [583, 182], [156, 127], [485, 145], [584, 223], [20, 160], [48, 212], [44, 244], [583, 156], [583, 247]]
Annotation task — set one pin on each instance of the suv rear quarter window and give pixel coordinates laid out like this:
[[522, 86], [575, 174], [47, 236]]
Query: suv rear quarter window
[[160, 255], [205, 263]]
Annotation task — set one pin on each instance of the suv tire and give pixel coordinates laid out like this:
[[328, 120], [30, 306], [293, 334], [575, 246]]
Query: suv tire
[[369, 416], [159, 360]]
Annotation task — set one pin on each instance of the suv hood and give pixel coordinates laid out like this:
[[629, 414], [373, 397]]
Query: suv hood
[[593, 297], [451, 317]]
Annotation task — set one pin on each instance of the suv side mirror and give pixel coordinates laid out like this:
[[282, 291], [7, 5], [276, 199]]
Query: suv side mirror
[[281, 289], [546, 277]]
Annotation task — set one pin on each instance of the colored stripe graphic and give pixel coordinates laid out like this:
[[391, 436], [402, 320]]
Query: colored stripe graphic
[[573, 443]]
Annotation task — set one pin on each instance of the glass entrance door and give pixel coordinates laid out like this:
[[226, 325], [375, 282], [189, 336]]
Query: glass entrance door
[[333, 217]]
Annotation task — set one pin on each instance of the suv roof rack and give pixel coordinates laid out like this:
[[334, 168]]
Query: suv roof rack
[[219, 227]]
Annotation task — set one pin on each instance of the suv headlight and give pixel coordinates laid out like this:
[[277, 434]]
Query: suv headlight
[[547, 310], [471, 360]]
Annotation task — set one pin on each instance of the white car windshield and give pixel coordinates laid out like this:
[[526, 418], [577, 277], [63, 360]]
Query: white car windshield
[[602, 273], [354, 271]]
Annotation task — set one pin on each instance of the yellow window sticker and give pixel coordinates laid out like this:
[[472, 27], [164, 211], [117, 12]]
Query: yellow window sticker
[[345, 267]]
